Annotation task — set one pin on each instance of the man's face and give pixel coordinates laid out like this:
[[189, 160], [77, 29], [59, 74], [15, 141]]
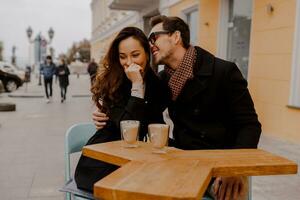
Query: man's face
[[48, 61], [161, 44]]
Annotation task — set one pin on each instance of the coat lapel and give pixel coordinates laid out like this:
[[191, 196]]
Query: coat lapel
[[203, 70]]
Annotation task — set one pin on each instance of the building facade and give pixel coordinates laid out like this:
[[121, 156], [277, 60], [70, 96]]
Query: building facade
[[262, 37], [1, 50]]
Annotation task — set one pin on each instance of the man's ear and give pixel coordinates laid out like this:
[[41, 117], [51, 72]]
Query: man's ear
[[177, 37]]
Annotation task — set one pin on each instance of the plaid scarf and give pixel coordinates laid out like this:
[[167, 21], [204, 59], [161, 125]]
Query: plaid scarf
[[182, 73]]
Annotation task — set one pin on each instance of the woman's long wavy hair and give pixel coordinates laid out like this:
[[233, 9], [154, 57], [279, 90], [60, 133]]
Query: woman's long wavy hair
[[109, 80]]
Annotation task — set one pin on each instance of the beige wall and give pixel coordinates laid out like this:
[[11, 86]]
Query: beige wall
[[270, 68], [208, 24], [95, 49], [208, 20]]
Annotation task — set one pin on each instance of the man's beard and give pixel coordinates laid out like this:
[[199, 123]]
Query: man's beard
[[162, 60]]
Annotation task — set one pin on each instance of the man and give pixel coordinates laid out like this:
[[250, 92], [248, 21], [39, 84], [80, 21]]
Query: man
[[48, 70], [211, 107]]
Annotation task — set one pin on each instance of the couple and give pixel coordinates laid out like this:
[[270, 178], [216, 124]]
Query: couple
[[207, 98], [62, 72]]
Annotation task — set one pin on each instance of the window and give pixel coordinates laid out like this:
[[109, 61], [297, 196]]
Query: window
[[295, 76], [234, 35], [191, 17]]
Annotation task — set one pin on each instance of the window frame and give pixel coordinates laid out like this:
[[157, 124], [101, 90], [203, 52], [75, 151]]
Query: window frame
[[294, 98], [184, 15]]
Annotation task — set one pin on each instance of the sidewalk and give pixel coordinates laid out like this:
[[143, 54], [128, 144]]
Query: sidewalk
[[283, 187], [32, 140]]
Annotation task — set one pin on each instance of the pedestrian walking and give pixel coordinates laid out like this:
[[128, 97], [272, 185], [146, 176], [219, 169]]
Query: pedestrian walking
[[48, 69], [63, 72], [27, 74], [92, 70]]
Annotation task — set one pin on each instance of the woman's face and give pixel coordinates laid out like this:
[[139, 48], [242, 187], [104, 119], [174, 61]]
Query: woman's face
[[131, 51]]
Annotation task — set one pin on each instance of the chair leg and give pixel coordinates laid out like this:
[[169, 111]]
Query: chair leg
[[68, 196], [80, 198], [249, 188]]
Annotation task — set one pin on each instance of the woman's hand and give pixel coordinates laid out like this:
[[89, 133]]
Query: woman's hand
[[99, 119], [134, 73]]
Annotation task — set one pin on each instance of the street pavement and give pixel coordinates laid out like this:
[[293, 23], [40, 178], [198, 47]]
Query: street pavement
[[32, 139], [32, 145]]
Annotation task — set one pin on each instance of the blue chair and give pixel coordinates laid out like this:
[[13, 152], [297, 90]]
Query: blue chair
[[76, 137]]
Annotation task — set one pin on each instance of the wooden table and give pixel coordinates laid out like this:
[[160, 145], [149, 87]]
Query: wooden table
[[177, 174]]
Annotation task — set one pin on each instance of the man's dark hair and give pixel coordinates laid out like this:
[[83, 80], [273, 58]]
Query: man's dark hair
[[49, 58], [173, 24]]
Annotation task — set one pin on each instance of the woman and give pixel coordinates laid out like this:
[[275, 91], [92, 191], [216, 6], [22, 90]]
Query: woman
[[127, 89], [63, 72]]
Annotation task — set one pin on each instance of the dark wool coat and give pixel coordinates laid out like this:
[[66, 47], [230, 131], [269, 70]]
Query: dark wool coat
[[63, 72], [214, 110]]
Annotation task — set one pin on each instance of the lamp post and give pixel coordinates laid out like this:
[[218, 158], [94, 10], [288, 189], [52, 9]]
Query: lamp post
[[41, 42], [29, 34]]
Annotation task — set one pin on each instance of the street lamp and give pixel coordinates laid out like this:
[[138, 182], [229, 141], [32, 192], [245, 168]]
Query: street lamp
[[41, 41], [29, 33], [51, 34]]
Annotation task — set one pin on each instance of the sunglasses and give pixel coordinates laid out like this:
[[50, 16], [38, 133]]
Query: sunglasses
[[154, 36]]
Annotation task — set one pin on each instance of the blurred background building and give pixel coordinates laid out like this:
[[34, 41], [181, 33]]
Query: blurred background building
[[1, 50], [261, 37]]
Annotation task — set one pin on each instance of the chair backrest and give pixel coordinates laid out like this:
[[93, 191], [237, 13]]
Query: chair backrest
[[76, 137]]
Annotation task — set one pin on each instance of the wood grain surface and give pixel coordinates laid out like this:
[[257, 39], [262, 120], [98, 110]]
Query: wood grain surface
[[177, 174]]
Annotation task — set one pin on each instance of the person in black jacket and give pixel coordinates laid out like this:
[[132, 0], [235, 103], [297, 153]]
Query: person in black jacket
[[210, 106], [63, 72], [92, 70], [128, 89]]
